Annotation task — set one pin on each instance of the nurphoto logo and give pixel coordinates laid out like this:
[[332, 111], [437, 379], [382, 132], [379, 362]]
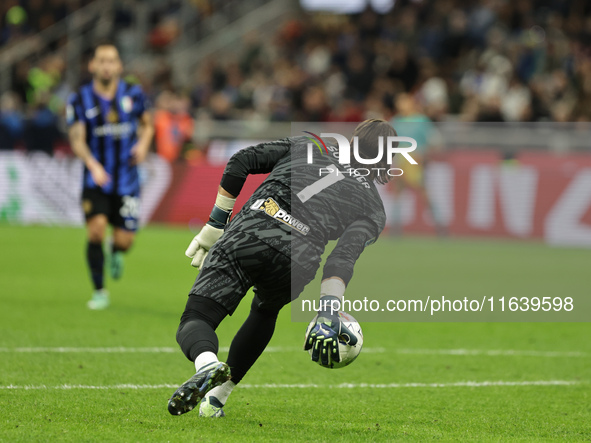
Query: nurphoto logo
[[343, 154]]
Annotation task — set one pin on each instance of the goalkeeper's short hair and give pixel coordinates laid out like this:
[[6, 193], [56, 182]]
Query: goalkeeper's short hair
[[368, 133]]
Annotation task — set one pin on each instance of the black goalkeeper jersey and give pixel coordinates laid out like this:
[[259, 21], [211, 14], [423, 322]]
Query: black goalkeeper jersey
[[301, 206]]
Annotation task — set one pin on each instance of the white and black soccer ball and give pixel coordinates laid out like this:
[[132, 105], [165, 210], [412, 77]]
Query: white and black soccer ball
[[347, 353]]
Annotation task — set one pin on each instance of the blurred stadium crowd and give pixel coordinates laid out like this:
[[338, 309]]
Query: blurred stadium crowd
[[486, 60]]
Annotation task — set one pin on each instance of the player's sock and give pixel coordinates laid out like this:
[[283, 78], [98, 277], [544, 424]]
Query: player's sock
[[96, 261], [250, 341], [204, 359], [222, 392]]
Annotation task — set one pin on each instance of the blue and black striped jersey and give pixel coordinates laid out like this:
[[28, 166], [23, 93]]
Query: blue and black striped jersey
[[111, 133]]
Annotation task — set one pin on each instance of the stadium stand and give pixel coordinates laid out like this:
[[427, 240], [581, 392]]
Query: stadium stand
[[468, 61]]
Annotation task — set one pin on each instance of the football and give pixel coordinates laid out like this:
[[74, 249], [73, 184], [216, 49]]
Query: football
[[347, 353]]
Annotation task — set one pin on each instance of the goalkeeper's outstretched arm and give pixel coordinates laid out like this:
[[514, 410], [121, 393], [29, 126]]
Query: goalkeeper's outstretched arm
[[341, 261], [338, 269], [259, 159]]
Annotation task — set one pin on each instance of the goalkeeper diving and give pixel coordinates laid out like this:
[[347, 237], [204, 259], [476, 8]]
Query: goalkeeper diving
[[274, 245]]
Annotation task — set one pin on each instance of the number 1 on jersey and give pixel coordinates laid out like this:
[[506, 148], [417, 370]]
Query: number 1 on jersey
[[319, 185]]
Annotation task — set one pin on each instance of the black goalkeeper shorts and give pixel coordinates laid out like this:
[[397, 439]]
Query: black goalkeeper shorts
[[239, 261]]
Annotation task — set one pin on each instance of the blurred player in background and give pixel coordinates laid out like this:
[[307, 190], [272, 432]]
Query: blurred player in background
[[411, 122], [110, 130], [275, 244]]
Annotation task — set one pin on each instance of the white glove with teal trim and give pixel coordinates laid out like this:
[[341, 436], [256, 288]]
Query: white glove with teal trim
[[211, 232]]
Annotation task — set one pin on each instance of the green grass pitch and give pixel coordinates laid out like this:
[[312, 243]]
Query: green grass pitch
[[419, 383]]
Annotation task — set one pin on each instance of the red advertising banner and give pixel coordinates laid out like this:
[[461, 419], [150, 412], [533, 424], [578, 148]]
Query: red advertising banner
[[192, 193], [536, 195]]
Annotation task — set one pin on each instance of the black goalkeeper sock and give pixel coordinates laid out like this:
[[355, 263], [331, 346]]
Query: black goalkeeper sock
[[250, 341], [96, 261]]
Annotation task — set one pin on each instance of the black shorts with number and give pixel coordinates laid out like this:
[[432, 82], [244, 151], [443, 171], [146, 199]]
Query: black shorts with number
[[239, 261], [122, 211]]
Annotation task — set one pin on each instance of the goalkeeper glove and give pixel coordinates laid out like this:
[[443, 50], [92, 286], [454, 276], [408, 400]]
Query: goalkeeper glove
[[211, 232], [324, 336]]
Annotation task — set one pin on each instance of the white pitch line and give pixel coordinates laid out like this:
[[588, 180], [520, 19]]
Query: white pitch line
[[146, 350], [91, 350], [118, 350], [460, 384], [492, 352], [280, 349], [67, 387]]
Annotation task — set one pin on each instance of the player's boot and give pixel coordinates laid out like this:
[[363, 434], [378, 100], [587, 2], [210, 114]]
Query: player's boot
[[100, 300], [116, 265], [210, 406], [190, 393]]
